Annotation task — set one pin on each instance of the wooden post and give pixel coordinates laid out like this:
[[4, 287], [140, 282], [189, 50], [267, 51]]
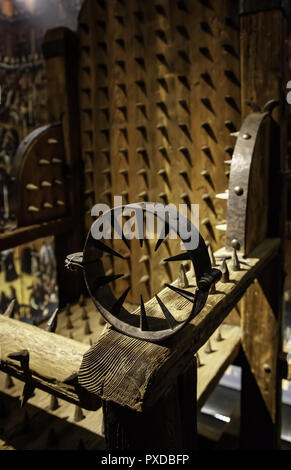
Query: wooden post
[[262, 79], [60, 50], [170, 424]]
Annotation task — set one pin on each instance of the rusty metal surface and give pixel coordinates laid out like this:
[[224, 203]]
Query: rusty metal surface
[[143, 327], [240, 172]]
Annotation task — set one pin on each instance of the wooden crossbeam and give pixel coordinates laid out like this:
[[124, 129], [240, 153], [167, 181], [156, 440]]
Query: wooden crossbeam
[[52, 359], [224, 347], [29, 233]]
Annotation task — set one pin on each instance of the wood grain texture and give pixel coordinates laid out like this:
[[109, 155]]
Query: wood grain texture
[[32, 232], [52, 358], [262, 77], [214, 364], [170, 424]]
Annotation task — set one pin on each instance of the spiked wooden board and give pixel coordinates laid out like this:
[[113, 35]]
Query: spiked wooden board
[[159, 96]]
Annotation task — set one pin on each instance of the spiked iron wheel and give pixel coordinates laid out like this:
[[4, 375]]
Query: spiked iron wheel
[[142, 326]]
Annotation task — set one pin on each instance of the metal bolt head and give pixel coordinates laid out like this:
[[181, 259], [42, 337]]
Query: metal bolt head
[[235, 244], [267, 368], [238, 190], [246, 136]]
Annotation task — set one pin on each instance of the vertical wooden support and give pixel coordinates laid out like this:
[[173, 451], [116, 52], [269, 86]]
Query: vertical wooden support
[[262, 79], [60, 50], [169, 425]]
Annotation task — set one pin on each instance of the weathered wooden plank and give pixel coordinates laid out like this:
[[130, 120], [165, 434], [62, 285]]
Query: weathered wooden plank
[[52, 358], [61, 53], [169, 425], [32, 232], [225, 347], [262, 76]]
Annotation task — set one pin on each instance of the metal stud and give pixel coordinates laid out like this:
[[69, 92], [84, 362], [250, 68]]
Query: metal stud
[[182, 278], [78, 414], [54, 405], [225, 272], [235, 265], [208, 348]]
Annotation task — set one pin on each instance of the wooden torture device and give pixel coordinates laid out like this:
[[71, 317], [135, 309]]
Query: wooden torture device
[[161, 101]]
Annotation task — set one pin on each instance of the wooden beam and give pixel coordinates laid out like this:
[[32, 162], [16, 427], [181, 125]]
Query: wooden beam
[[263, 79], [52, 359], [61, 55], [32, 232]]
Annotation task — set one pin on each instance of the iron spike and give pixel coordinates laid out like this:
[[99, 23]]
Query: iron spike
[[52, 322], [101, 246], [68, 310], [54, 404], [187, 295], [207, 152], [179, 257], [142, 108], [69, 325], [184, 175], [117, 306], [115, 225], [185, 130], [208, 129], [186, 154], [212, 289], [206, 53], [87, 330], [184, 105], [207, 104], [9, 312], [163, 131], [198, 360], [182, 278], [225, 272], [143, 317], [143, 131], [161, 239], [31, 187], [142, 86], [84, 315], [162, 106], [207, 78], [211, 255], [184, 81], [235, 265], [78, 414], [163, 84], [169, 317], [208, 348], [8, 382], [183, 31], [32, 209], [219, 336]]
